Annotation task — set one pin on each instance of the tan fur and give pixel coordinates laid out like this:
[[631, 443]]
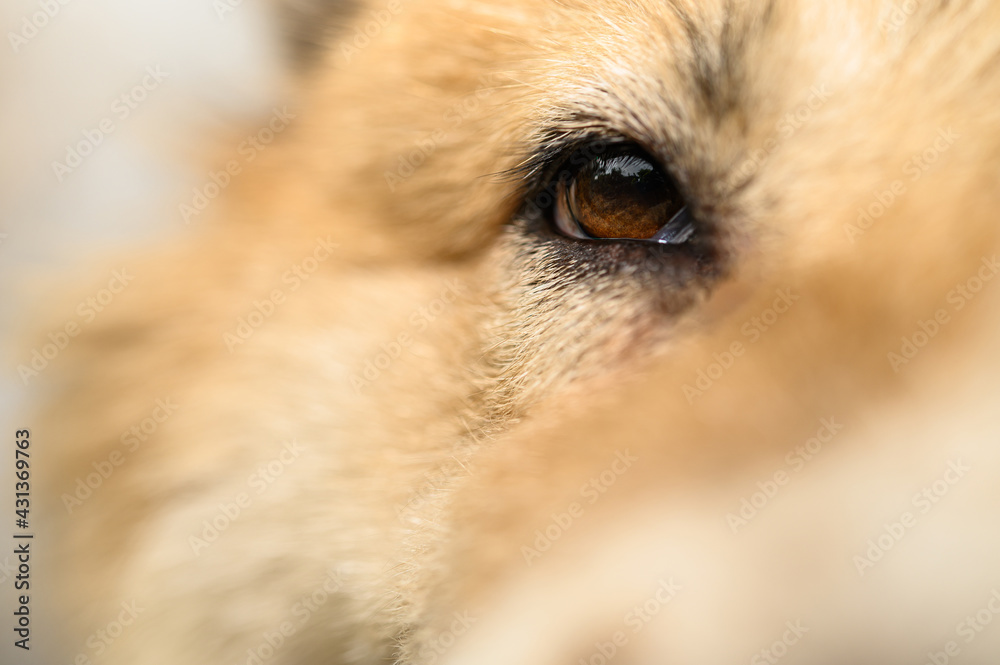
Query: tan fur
[[422, 488]]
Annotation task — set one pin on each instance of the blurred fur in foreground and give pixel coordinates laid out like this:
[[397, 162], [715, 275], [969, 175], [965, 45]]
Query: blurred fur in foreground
[[453, 436]]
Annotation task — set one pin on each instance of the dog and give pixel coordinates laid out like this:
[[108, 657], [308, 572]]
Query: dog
[[562, 332]]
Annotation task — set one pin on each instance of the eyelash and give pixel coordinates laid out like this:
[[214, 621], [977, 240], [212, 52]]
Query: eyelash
[[557, 160]]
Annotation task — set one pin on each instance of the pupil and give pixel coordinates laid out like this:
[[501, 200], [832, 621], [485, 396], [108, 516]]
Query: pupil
[[631, 175], [625, 196]]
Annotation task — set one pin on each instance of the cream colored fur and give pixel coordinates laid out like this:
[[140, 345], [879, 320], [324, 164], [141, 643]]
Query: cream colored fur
[[421, 488]]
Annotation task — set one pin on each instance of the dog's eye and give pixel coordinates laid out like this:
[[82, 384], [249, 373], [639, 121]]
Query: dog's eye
[[623, 195]]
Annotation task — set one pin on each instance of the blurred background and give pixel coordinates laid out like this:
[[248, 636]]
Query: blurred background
[[110, 112]]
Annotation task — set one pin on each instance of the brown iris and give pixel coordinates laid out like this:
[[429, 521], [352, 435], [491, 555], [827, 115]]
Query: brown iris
[[621, 196]]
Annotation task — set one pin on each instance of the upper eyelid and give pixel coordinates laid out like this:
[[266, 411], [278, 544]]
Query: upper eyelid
[[546, 158], [560, 156]]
